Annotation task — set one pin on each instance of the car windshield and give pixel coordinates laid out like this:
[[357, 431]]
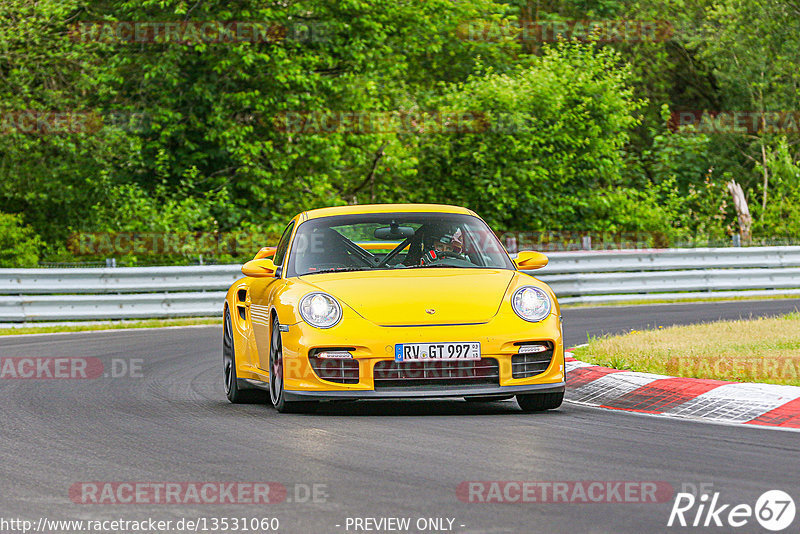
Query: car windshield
[[380, 241]]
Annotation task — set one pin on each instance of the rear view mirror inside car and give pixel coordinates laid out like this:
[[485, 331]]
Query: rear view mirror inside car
[[394, 232]]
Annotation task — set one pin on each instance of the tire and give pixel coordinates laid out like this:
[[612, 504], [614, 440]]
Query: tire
[[276, 391], [233, 385], [488, 399], [539, 402]]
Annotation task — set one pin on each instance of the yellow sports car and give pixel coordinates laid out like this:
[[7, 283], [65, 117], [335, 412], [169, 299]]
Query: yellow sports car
[[390, 301]]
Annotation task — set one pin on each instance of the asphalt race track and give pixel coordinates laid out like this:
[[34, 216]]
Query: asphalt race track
[[171, 423]]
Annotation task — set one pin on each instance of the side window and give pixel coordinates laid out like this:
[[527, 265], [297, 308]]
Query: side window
[[283, 244]]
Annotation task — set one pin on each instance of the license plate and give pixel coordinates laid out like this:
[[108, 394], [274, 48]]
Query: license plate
[[414, 352]]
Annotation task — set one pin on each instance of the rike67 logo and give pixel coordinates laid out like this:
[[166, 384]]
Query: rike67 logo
[[774, 510]]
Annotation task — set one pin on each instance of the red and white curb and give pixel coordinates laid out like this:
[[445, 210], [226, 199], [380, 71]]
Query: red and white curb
[[690, 398]]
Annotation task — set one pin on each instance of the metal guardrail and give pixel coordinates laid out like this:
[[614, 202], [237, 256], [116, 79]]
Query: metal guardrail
[[118, 280], [627, 275], [671, 259], [114, 293], [608, 276], [100, 307]]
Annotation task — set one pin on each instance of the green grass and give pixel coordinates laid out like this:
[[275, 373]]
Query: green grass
[[114, 325], [757, 350]]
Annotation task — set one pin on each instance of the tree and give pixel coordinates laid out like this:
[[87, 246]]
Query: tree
[[755, 50], [554, 135]]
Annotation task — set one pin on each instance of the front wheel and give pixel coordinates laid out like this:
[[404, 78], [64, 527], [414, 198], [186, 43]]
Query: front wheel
[[276, 375], [539, 402]]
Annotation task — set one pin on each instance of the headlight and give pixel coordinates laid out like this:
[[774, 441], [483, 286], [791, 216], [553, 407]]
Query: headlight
[[320, 310], [531, 303]]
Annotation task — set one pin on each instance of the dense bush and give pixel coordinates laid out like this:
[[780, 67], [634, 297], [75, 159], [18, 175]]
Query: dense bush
[[19, 244], [555, 130]]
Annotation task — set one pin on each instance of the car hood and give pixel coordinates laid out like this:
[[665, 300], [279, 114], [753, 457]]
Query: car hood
[[419, 296]]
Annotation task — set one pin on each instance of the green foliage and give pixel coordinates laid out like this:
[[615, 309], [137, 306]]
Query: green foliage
[[575, 135], [19, 244], [214, 107], [49, 176], [781, 218], [555, 132], [755, 49], [675, 176]]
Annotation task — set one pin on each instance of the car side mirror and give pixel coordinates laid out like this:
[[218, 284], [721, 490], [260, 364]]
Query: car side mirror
[[528, 259], [266, 252], [260, 268]]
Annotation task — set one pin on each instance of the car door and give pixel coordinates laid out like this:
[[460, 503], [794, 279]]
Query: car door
[[262, 292]]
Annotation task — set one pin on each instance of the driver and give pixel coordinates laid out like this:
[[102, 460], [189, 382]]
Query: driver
[[448, 245]]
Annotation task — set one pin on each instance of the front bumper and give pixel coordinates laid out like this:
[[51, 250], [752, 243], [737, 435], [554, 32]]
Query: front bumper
[[423, 392], [370, 344]]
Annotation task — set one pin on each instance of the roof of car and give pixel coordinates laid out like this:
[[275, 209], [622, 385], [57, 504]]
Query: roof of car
[[384, 208]]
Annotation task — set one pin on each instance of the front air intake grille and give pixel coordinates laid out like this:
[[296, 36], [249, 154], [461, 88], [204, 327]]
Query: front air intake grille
[[341, 371], [531, 364], [435, 374]]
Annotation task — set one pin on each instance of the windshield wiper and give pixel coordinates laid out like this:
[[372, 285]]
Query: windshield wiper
[[341, 270], [439, 266]]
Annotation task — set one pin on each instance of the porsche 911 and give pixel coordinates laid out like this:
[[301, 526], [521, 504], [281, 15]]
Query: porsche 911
[[405, 301]]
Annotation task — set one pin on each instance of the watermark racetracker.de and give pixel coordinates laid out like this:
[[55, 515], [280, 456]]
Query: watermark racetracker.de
[[409, 122], [69, 368], [164, 243], [72, 122], [564, 491], [197, 32], [149, 524], [734, 122], [195, 492], [777, 368], [550, 31], [176, 493]]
